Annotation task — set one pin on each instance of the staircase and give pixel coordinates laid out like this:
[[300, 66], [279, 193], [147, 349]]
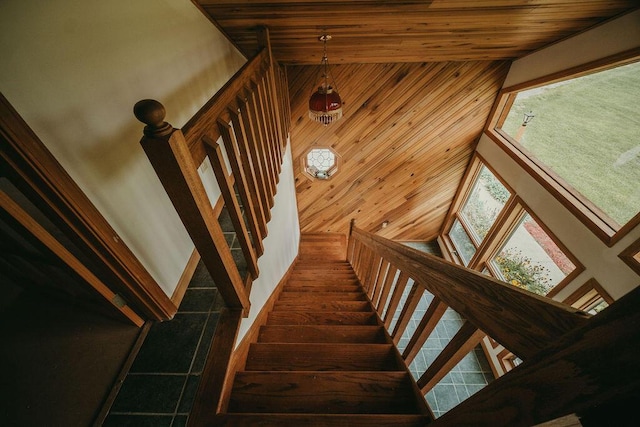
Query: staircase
[[323, 359]]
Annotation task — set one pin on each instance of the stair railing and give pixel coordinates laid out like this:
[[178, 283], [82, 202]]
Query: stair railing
[[536, 329], [250, 116]]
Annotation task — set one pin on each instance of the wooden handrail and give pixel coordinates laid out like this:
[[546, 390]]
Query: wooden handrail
[[201, 123], [523, 322], [573, 362]]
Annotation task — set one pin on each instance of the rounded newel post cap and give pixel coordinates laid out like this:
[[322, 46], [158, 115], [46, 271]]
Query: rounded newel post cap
[[152, 113]]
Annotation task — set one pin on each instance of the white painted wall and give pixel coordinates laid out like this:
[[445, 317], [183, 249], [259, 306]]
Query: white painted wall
[[600, 261], [74, 69], [613, 37], [280, 245]]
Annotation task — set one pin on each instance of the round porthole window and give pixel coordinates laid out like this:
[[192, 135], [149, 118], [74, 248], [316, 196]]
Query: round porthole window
[[321, 163]]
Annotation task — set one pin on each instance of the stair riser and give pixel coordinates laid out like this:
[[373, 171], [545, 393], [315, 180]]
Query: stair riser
[[322, 357], [322, 393], [320, 318], [321, 420], [322, 334], [325, 288], [322, 296], [323, 306]]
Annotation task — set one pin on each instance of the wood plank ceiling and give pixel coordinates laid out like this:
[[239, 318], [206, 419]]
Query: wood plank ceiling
[[418, 79]]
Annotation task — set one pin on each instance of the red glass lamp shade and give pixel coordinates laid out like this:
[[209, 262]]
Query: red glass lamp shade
[[325, 105]]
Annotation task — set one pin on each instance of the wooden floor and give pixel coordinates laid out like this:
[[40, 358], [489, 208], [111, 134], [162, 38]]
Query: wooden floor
[[322, 359]]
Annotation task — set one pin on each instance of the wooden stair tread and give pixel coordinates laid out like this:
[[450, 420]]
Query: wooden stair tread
[[323, 392], [324, 283], [321, 318], [318, 265], [322, 333], [322, 306], [322, 357], [322, 420], [322, 288], [324, 296]]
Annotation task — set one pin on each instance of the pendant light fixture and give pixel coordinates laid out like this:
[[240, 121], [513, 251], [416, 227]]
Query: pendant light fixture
[[325, 105]]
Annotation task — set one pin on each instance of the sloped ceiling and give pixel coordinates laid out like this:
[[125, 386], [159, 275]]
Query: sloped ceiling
[[418, 79]]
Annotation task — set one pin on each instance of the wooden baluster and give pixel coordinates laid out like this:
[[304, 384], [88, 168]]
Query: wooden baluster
[[272, 136], [284, 89], [240, 129], [277, 117], [231, 147], [263, 140], [259, 119], [275, 108], [465, 340], [170, 157], [401, 283], [425, 328], [351, 241], [386, 289], [364, 256], [264, 40], [228, 194], [410, 305], [366, 269], [384, 268], [375, 274], [357, 252], [252, 135]]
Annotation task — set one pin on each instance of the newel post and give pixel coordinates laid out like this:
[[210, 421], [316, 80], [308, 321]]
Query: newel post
[[171, 159]]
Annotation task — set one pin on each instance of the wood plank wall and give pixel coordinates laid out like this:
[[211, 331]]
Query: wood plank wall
[[406, 137]]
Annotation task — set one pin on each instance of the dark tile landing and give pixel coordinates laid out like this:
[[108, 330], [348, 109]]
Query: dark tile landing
[[161, 385]]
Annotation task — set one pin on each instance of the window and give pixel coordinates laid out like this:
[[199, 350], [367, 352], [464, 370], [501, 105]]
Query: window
[[484, 202], [580, 137], [590, 297], [530, 259], [320, 163], [465, 247], [492, 231]]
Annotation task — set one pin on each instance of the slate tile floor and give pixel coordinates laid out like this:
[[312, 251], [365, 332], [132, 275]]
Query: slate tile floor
[[468, 377], [161, 385]]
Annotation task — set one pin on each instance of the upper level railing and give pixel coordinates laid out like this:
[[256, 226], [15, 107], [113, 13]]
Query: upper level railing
[[250, 116], [560, 346]]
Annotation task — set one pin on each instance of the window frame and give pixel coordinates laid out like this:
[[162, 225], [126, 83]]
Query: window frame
[[589, 286], [506, 222], [462, 196], [329, 172], [630, 254], [590, 215]]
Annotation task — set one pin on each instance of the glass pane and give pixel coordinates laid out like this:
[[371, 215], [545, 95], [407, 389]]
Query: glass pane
[[531, 260], [486, 200], [597, 306], [587, 130], [322, 159], [462, 242]]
